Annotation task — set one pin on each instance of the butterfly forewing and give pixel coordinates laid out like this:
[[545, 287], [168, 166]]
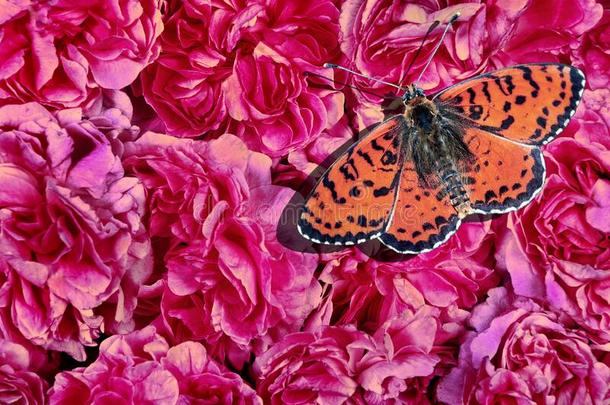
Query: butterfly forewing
[[505, 175], [423, 218], [530, 104], [353, 200]]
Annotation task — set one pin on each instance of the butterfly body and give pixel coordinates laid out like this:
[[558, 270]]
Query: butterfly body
[[473, 148]]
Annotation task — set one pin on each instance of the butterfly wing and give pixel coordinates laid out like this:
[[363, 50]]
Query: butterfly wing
[[423, 218], [529, 104], [505, 176], [353, 200]]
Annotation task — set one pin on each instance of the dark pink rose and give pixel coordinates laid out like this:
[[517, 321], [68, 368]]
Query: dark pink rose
[[302, 162], [368, 292], [64, 53], [540, 35], [593, 55], [203, 81], [18, 385], [227, 275], [520, 353], [558, 247], [339, 365], [382, 37], [73, 248], [140, 368]]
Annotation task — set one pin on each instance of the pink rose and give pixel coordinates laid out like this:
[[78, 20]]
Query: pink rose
[[140, 368], [68, 212], [558, 247], [368, 292], [228, 278], [204, 82], [593, 55], [18, 385], [382, 37], [543, 36], [63, 53], [344, 365], [520, 353]]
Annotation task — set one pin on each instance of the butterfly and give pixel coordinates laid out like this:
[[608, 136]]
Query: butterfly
[[472, 148]]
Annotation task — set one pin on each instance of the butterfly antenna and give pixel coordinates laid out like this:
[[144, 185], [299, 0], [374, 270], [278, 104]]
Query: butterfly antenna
[[451, 21], [421, 45], [334, 66]]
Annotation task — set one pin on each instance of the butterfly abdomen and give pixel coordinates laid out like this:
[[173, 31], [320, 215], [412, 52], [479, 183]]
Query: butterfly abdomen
[[453, 186]]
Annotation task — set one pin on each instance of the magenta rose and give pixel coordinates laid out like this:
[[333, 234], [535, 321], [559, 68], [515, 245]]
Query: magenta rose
[[18, 385], [542, 36], [452, 278], [593, 55], [382, 37], [229, 280], [73, 248], [140, 368], [63, 53], [558, 247], [520, 353], [344, 365], [204, 82]]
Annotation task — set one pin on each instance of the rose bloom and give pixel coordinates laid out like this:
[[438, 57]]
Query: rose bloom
[[542, 36], [367, 291], [381, 38], [63, 53], [140, 368], [338, 365], [558, 247], [203, 81], [520, 353], [228, 278], [18, 385], [73, 248], [593, 54]]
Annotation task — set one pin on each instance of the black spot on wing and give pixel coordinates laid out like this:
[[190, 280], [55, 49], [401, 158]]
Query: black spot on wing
[[486, 91], [527, 75], [366, 157], [507, 122]]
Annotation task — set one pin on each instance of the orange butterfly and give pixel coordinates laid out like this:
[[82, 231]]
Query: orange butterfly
[[472, 148]]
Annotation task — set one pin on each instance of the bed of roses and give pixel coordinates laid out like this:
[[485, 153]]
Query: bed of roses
[[148, 152]]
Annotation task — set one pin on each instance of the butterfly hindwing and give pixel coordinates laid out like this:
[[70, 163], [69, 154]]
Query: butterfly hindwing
[[505, 175], [423, 217], [530, 104], [353, 200]]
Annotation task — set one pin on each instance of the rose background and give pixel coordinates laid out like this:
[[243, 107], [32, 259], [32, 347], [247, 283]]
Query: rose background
[[148, 150]]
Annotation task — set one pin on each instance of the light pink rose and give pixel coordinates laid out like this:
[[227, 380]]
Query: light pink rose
[[558, 247], [339, 365], [520, 353], [64, 53], [73, 249], [18, 385], [204, 83], [228, 278], [140, 368]]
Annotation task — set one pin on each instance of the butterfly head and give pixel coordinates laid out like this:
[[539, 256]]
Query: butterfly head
[[412, 93]]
